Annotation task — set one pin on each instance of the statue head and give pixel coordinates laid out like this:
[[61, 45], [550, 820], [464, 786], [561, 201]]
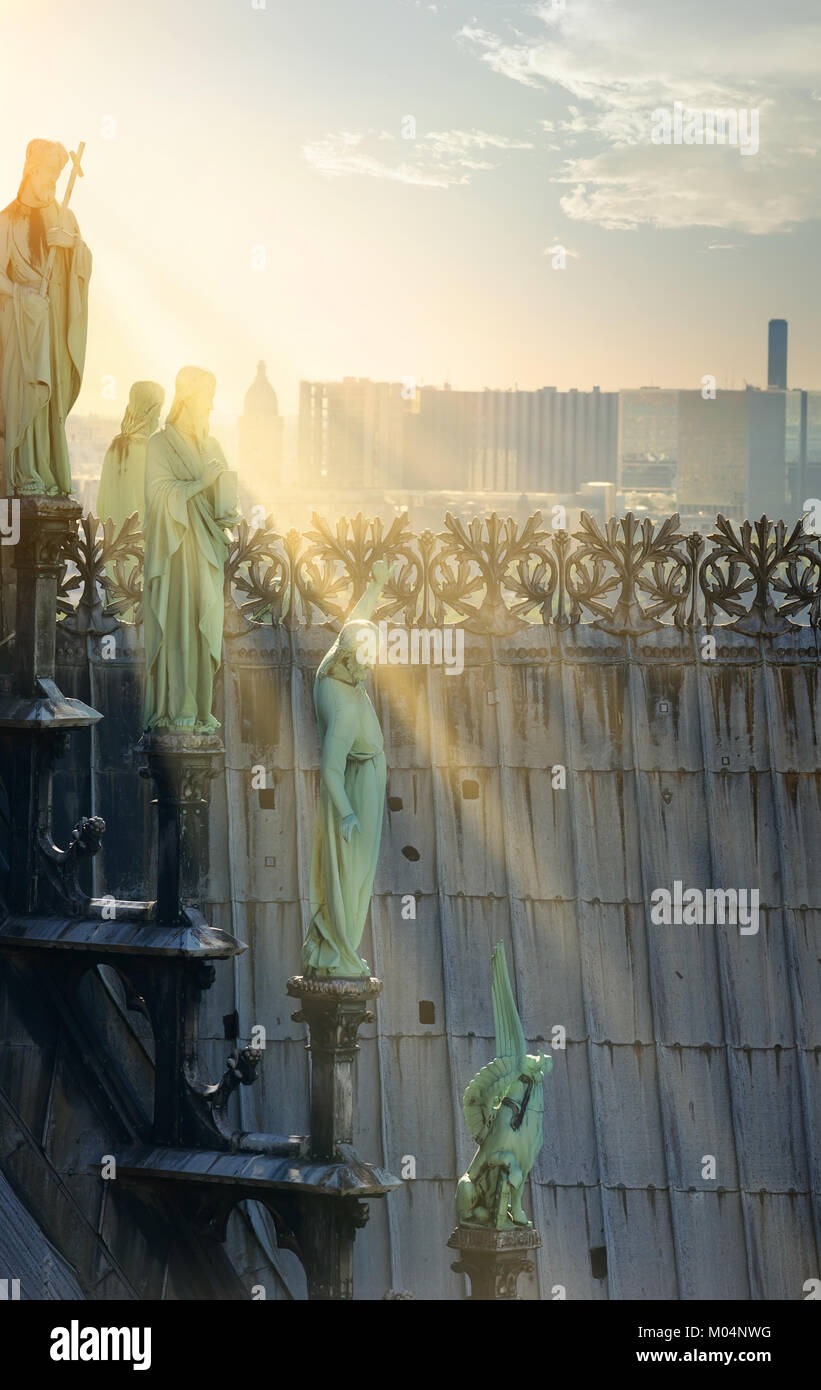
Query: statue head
[[142, 414], [353, 654], [45, 161], [537, 1065], [193, 401], [142, 418]]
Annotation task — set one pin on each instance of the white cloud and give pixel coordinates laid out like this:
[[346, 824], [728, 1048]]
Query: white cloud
[[438, 159], [618, 60]]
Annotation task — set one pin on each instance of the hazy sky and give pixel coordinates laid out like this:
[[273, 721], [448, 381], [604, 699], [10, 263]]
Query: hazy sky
[[238, 128]]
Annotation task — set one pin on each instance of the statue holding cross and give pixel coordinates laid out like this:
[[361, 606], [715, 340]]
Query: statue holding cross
[[44, 273]]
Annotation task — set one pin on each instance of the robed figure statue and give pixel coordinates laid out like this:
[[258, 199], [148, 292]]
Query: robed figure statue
[[43, 328], [122, 483], [188, 491], [351, 797]]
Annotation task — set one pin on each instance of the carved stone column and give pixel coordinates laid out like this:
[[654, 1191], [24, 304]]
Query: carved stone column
[[334, 1010], [181, 766], [34, 714], [493, 1260], [45, 526]]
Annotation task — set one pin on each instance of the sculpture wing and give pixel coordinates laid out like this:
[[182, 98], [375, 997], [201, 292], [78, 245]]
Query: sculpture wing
[[486, 1092], [510, 1038]]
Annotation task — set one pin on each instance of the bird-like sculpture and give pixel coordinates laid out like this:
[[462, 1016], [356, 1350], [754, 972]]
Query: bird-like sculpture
[[503, 1107]]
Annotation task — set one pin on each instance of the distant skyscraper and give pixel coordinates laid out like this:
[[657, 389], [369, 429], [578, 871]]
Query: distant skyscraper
[[545, 440], [440, 439], [768, 429], [648, 447], [777, 354], [351, 433], [713, 449], [511, 441], [364, 434], [260, 432]]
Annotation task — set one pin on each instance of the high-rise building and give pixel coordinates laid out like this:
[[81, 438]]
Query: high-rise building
[[547, 440], [351, 433], [803, 448], [260, 432], [440, 439], [648, 441], [713, 441], [357, 433], [768, 429], [777, 354]]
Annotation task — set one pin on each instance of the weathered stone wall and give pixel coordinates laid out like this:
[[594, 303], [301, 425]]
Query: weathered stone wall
[[681, 1041]]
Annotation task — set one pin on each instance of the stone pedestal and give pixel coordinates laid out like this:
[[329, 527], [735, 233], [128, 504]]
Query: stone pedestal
[[45, 526], [334, 1010], [35, 716], [181, 766], [493, 1260]]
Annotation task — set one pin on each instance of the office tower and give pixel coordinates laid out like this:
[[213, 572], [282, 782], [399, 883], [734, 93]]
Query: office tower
[[351, 433], [767, 440], [357, 433], [713, 449], [812, 446], [648, 440], [545, 440], [260, 433], [777, 354], [441, 439], [803, 448]]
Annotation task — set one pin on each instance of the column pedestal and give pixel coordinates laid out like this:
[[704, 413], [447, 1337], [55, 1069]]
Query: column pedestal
[[493, 1260], [181, 766], [334, 1010], [35, 717]]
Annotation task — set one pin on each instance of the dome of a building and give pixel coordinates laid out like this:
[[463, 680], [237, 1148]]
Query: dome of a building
[[261, 398]]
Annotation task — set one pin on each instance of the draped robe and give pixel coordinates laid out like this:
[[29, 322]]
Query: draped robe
[[353, 779], [183, 606], [122, 481], [42, 345]]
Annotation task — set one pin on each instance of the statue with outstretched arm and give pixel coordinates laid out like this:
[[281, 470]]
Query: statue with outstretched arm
[[351, 796]]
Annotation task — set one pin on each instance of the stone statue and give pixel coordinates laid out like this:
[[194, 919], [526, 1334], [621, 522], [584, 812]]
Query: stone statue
[[44, 273], [351, 797], [122, 484], [189, 500], [503, 1108]]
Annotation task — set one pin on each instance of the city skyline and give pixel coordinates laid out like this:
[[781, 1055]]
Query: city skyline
[[404, 175]]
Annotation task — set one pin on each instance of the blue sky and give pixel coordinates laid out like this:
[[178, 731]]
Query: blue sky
[[249, 192]]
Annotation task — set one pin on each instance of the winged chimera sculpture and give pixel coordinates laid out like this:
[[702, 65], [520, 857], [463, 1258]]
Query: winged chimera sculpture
[[503, 1108]]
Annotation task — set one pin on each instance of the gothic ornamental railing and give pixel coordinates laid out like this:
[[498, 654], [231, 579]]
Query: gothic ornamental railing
[[488, 576]]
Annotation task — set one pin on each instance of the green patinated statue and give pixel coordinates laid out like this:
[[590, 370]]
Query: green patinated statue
[[503, 1107], [189, 494], [122, 483], [351, 797]]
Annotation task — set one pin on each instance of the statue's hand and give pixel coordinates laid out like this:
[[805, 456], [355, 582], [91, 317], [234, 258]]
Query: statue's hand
[[55, 236], [213, 469], [382, 572], [348, 826]]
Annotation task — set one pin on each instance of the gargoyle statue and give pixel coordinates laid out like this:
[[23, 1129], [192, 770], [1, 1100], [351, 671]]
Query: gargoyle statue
[[60, 867], [503, 1108]]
